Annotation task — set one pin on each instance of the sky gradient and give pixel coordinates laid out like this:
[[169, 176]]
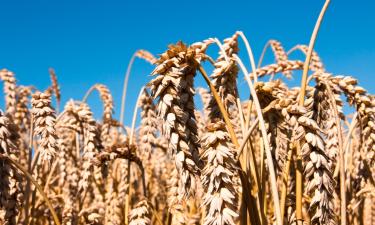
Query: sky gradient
[[90, 42]]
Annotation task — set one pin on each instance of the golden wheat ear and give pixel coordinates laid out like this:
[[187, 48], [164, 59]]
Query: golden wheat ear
[[280, 55], [146, 55], [44, 118], [55, 86], [219, 177], [10, 87], [108, 105], [173, 86]]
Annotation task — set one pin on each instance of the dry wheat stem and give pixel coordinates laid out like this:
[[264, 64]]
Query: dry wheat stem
[[316, 63], [29, 166], [247, 136], [265, 48], [135, 115], [223, 112], [253, 67], [126, 79], [353, 124], [253, 167], [285, 181], [271, 169], [127, 203], [125, 87], [250, 53]]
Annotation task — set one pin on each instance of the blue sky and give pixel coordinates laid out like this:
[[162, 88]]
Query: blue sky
[[90, 42]]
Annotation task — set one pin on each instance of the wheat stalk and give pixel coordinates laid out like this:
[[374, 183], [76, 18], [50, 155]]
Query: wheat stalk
[[299, 177], [143, 54], [265, 141], [224, 79]]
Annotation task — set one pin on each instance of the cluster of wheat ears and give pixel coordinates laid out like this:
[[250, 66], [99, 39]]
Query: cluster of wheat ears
[[285, 155]]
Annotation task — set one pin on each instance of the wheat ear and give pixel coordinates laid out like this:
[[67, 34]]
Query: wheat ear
[[10, 90], [55, 87], [44, 126], [280, 55], [316, 63], [174, 88], [107, 100], [299, 176], [218, 176]]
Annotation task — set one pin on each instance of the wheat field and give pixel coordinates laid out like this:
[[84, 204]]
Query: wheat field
[[288, 154]]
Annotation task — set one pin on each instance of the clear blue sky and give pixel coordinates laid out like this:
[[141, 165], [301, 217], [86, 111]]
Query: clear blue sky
[[90, 42]]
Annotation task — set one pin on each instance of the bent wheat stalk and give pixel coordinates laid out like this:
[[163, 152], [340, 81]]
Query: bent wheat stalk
[[143, 54]]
